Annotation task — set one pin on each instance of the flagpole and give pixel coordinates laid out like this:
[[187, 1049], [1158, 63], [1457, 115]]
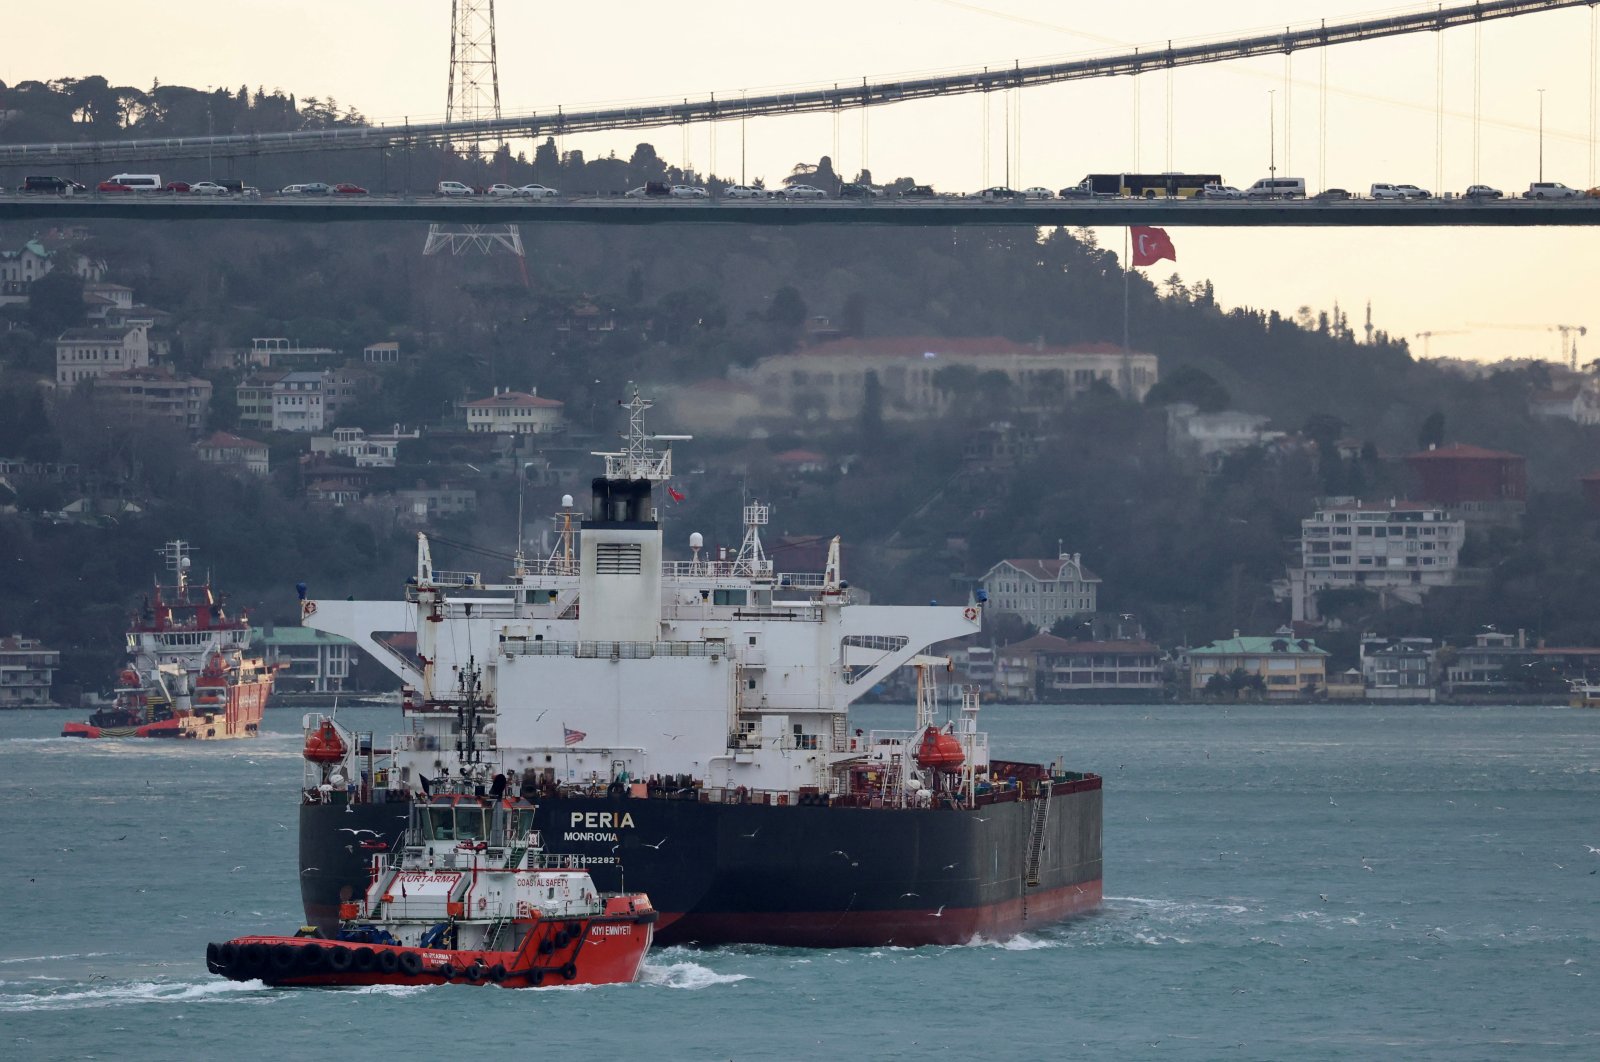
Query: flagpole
[[1127, 268]]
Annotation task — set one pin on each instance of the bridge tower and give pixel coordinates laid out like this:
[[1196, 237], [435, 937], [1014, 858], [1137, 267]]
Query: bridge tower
[[472, 95]]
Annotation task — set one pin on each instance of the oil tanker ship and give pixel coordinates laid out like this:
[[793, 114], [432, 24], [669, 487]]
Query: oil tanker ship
[[190, 673], [680, 727]]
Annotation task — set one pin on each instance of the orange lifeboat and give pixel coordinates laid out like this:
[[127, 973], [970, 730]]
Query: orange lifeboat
[[939, 751], [130, 678], [324, 745]]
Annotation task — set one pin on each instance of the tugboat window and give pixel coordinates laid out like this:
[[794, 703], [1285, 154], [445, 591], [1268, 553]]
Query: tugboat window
[[469, 824]]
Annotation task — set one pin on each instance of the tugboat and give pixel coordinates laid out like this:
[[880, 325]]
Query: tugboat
[[688, 718], [190, 674], [469, 895]]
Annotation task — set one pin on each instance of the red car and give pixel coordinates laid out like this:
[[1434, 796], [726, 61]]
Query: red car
[[177, 186], [349, 189], [113, 186]]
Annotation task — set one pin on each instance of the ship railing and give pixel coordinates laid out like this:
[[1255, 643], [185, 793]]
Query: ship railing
[[456, 579], [781, 610], [611, 650]]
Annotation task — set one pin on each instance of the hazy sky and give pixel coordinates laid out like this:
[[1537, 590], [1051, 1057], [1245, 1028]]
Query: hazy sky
[[390, 60]]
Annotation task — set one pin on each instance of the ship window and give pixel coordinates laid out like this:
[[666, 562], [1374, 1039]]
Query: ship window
[[729, 597], [436, 825], [469, 824]]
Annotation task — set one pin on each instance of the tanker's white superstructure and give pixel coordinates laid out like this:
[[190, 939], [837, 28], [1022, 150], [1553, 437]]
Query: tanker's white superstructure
[[607, 662]]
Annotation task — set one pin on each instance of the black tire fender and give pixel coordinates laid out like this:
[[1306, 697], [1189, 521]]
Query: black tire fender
[[364, 960], [339, 959], [252, 956], [410, 963], [474, 972], [388, 962], [284, 957], [313, 957], [569, 971]]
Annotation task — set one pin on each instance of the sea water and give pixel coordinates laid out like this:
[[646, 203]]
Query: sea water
[[1281, 882]]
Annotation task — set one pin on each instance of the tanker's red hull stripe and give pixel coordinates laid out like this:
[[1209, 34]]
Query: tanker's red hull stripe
[[904, 928]]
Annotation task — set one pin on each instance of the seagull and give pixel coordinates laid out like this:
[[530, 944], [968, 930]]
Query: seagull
[[752, 833], [236, 870], [541, 715], [674, 737], [951, 866], [358, 833], [281, 826], [1332, 802], [349, 809], [939, 913], [903, 895], [1592, 849], [1324, 896], [124, 837], [309, 870], [657, 845]]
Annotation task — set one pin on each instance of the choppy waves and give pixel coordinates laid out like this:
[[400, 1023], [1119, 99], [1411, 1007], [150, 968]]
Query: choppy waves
[[113, 994]]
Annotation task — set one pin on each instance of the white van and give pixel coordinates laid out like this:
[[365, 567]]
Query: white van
[[139, 182], [1277, 188]]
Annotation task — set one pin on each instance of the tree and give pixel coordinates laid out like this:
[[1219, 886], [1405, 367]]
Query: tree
[[55, 303], [1189, 384], [1431, 433], [786, 315]]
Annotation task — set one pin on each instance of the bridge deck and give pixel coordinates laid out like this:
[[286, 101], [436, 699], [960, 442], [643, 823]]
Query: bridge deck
[[937, 212]]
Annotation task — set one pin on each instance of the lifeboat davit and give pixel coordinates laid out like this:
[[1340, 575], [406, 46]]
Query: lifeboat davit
[[939, 751], [324, 745]]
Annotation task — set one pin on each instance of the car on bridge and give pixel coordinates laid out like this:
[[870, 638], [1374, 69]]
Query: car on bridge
[[1385, 190], [998, 193], [500, 191], [114, 186], [207, 188], [1551, 190], [176, 186], [1219, 191], [452, 188], [689, 191], [1481, 191], [54, 185], [535, 191], [316, 188], [744, 191], [348, 189], [858, 191], [1037, 193], [919, 191], [648, 190], [803, 191], [1332, 195]]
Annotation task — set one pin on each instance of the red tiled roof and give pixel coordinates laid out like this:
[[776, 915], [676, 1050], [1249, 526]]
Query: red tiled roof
[[1123, 646], [921, 346], [1462, 451], [223, 441], [518, 399], [1047, 643]]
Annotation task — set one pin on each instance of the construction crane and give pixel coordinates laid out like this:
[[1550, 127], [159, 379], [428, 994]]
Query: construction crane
[[1569, 334], [1427, 337]]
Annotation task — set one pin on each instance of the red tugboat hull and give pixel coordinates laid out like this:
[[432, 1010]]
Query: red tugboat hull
[[597, 950]]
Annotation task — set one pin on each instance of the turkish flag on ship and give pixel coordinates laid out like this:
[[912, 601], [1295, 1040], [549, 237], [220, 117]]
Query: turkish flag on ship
[[1151, 245]]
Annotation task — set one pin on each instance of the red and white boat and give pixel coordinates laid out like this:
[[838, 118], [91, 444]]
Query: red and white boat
[[190, 673], [468, 895]]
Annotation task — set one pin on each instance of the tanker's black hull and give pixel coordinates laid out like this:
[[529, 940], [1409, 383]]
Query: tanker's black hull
[[809, 876]]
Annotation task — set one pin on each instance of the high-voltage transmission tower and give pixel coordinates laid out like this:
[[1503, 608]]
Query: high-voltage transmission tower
[[473, 96]]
